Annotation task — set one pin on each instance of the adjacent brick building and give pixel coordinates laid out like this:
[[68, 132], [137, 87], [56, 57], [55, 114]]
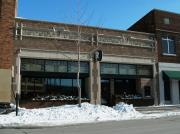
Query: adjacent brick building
[[165, 26]]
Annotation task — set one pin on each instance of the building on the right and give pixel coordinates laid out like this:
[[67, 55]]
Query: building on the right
[[166, 27]]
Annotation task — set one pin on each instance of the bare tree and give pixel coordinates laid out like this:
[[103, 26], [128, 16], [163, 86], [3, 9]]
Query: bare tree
[[80, 13]]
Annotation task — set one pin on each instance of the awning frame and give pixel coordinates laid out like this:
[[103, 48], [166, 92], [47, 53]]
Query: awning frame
[[174, 75]]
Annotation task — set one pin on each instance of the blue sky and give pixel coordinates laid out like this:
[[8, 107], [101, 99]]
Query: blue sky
[[116, 14]]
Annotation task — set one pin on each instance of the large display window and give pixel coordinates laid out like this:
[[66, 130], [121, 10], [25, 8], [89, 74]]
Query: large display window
[[126, 70], [40, 65]]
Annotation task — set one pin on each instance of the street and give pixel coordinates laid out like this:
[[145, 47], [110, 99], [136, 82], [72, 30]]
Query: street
[[169, 125]]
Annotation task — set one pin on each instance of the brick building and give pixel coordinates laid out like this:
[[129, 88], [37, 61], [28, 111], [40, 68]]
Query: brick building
[[165, 26], [42, 57], [7, 15]]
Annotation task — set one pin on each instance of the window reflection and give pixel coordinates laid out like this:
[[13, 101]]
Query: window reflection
[[73, 67], [50, 86], [126, 69], [144, 70], [107, 68], [32, 65], [75, 82], [56, 66], [66, 83]]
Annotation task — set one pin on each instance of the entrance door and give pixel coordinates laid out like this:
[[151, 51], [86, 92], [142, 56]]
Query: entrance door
[[105, 92], [167, 91]]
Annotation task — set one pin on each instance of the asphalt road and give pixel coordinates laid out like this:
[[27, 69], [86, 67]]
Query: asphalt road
[[170, 125]]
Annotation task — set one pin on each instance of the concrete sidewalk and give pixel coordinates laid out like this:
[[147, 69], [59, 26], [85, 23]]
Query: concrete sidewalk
[[168, 125], [158, 109]]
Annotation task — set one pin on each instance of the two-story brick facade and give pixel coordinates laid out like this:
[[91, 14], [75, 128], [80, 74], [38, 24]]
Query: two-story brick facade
[[165, 26], [48, 54], [44, 57]]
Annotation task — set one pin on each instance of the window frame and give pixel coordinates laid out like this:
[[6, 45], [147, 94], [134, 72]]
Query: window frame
[[166, 21], [168, 40]]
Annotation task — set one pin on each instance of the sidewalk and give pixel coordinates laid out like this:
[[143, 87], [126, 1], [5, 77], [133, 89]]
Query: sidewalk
[[158, 109]]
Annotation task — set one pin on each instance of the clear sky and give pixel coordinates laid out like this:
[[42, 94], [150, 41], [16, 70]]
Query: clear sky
[[116, 14]]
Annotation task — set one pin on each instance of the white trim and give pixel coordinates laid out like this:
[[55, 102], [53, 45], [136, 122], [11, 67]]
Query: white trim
[[169, 31], [100, 28], [72, 55], [167, 54], [38, 54]]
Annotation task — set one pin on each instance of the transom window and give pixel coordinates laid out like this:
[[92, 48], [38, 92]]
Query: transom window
[[53, 66], [168, 46], [126, 69]]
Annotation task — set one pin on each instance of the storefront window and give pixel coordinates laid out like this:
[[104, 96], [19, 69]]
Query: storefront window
[[84, 67], [55, 66], [32, 65], [108, 68], [73, 67], [50, 86], [125, 86], [66, 84], [127, 69], [75, 82], [49, 66], [144, 70], [32, 85]]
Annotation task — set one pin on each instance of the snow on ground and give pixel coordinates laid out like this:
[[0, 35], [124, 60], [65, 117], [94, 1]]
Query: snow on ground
[[72, 114]]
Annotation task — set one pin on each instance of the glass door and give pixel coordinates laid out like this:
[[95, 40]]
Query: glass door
[[105, 92]]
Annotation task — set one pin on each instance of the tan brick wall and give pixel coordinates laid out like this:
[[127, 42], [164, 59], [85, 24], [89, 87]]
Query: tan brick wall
[[5, 85], [145, 82]]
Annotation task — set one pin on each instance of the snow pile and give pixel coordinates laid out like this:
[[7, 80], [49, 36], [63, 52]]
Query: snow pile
[[72, 114], [128, 110], [13, 106], [68, 114]]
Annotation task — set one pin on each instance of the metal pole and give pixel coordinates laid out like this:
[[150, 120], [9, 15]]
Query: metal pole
[[17, 103], [78, 72], [78, 49]]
